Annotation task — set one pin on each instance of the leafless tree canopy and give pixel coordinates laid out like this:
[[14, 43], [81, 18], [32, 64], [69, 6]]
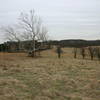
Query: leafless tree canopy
[[30, 28], [33, 27], [42, 36], [11, 33], [31, 24]]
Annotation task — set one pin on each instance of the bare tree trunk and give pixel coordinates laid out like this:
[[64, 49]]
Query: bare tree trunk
[[33, 48], [91, 52], [82, 51], [75, 52], [18, 46]]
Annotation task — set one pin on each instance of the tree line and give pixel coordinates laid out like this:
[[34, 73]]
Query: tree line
[[92, 51]]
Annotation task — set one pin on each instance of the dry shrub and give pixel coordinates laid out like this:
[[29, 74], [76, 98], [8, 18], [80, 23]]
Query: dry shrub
[[94, 51], [91, 52], [98, 53], [82, 51], [75, 52]]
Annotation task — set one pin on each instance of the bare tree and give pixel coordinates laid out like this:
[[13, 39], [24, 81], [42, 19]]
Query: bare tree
[[82, 51], [98, 54], [91, 52], [11, 33], [42, 36], [29, 28], [32, 25], [97, 50]]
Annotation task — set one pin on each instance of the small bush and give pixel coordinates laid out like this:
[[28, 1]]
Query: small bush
[[83, 52], [91, 52], [75, 52]]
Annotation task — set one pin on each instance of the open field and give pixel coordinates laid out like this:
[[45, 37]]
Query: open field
[[48, 78]]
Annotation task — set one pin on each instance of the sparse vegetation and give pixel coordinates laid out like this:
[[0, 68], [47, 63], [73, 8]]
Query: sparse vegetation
[[48, 78], [82, 51], [98, 53], [91, 52], [75, 52], [59, 51]]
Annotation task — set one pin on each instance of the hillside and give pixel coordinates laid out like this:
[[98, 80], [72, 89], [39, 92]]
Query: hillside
[[48, 78]]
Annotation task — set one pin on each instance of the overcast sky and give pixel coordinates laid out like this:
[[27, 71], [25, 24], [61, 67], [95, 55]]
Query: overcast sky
[[65, 19]]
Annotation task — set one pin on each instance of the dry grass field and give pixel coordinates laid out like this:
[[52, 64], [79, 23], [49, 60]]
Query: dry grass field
[[48, 78]]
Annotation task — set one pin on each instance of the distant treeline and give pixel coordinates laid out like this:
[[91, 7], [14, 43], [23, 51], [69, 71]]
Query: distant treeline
[[76, 43], [22, 46], [27, 45], [2, 47]]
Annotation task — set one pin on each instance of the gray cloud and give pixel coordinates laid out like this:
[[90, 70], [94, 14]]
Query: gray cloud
[[64, 18]]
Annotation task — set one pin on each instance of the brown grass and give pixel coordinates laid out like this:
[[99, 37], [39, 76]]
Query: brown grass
[[48, 78]]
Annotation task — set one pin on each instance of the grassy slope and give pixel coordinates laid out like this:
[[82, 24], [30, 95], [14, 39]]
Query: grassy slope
[[48, 78]]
